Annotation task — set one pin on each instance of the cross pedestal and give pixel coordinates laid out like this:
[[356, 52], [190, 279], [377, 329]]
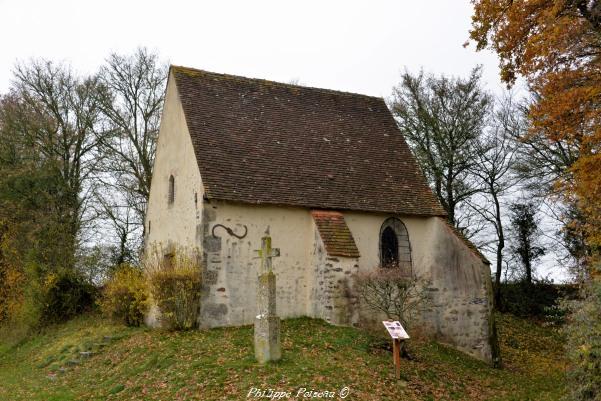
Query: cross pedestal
[[267, 323]]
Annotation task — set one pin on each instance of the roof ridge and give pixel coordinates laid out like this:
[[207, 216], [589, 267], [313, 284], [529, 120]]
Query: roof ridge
[[196, 71]]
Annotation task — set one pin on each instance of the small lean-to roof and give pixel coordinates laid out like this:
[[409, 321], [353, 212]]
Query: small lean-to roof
[[264, 142], [335, 234]]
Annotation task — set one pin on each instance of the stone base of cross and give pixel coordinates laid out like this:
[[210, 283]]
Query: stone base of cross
[[267, 323]]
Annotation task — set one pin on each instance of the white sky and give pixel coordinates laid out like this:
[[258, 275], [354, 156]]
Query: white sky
[[345, 45]]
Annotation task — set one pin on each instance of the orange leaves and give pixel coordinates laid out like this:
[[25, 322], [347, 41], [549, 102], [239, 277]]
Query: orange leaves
[[554, 45], [588, 173], [566, 108]]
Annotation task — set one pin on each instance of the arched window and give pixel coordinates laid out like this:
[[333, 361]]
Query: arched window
[[171, 197], [395, 248]]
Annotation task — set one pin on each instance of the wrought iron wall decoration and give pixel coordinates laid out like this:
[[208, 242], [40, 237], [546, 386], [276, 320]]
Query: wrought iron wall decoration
[[230, 231]]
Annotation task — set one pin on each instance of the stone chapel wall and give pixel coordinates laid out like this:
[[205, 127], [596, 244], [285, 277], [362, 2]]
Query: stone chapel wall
[[332, 297], [309, 282], [231, 267], [459, 312], [174, 223], [312, 283]]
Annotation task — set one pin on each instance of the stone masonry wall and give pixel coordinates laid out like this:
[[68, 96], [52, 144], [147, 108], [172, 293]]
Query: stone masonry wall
[[232, 266], [332, 298], [460, 312], [312, 283]]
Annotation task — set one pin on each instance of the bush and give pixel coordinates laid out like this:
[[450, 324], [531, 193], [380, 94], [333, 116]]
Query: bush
[[11, 291], [175, 285], [391, 292], [539, 299], [65, 295], [125, 296], [583, 345]]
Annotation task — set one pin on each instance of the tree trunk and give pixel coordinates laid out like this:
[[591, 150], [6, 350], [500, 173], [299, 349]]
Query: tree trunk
[[450, 200], [528, 272], [497, 294], [500, 246]]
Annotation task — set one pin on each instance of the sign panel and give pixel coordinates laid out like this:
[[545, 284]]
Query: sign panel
[[395, 330]]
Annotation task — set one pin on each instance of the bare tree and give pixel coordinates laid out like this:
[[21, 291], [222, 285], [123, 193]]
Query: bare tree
[[121, 221], [442, 119], [132, 102], [389, 291], [544, 164], [493, 168], [58, 115]]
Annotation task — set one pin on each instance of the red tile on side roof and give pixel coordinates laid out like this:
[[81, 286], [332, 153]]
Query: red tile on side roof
[[335, 234]]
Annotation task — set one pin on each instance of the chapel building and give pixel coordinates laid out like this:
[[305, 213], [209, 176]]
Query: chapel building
[[331, 177]]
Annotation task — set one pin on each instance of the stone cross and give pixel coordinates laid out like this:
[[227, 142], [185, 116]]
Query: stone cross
[[266, 253], [267, 323]]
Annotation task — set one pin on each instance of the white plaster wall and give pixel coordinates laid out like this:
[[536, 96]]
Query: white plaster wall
[[175, 223], [365, 228], [234, 265], [459, 310]]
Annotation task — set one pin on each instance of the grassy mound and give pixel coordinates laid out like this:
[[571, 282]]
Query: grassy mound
[[90, 359]]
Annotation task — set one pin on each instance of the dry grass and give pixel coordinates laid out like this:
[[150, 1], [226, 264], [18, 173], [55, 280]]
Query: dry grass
[[139, 364]]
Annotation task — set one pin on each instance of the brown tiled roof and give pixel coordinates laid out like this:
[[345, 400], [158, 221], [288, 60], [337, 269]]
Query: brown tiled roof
[[335, 234], [265, 142], [466, 241]]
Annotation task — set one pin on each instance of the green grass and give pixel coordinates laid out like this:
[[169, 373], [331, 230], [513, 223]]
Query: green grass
[[140, 364]]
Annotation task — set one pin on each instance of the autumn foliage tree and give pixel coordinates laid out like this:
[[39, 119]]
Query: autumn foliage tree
[[556, 46], [42, 147]]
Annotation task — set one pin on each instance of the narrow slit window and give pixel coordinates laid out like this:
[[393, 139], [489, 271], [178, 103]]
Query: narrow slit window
[[171, 197]]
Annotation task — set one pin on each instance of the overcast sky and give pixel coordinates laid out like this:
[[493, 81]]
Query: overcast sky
[[346, 45]]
